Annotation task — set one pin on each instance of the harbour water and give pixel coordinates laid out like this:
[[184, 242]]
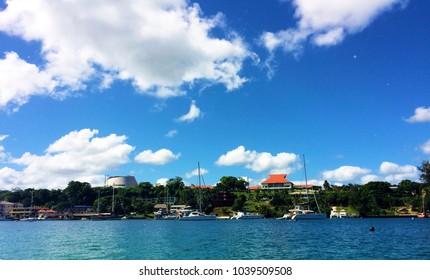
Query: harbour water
[[267, 239]]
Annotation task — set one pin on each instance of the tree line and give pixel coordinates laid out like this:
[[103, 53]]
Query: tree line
[[373, 198]]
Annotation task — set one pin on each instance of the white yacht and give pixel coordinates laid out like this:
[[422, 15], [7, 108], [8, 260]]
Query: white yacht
[[301, 213], [197, 216]]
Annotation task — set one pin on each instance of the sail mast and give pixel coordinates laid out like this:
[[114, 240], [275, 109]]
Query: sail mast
[[200, 192], [306, 179], [307, 192]]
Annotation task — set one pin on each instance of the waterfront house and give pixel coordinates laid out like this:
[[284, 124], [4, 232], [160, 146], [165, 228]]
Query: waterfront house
[[277, 182], [6, 207], [48, 215]]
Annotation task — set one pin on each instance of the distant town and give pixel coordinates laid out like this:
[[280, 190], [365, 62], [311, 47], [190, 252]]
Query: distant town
[[124, 197]]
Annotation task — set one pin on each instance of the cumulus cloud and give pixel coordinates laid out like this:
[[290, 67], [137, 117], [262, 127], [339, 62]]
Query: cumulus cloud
[[159, 157], [78, 155], [192, 114], [369, 178], [32, 81], [161, 47], [395, 173], [422, 114], [282, 162], [345, 173], [388, 171], [327, 23]]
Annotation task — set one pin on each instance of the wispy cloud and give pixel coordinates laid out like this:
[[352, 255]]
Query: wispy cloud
[[325, 23], [426, 147], [192, 114], [172, 133]]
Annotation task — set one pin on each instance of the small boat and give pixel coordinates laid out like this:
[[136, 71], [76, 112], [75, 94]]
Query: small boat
[[343, 214], [246, 216], [28, 219], [285, 217], [301, 213], [197, 216], [161, 215], [336, 214]]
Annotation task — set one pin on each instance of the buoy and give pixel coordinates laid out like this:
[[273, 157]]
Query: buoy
[[372, 229]]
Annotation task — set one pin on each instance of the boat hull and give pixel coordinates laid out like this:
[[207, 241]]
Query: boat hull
[[312, 216], [198, 218]]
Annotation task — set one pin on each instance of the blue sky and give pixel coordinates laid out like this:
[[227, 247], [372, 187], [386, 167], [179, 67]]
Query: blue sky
[[150, 88]]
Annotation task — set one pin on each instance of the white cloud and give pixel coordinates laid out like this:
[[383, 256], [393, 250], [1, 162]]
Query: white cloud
[[327, 22], [388, 172], [426, 147], [395, 173], [159, 46], [258, 161], [422, 114], [3, 155], [159, 157], [76, 155], [369, 178], [192, 114], [162, 181], [32, 81], [195, 173], [172, 133], [345, 173]]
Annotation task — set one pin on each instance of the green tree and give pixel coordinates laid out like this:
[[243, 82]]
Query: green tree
[[425, 172], [326, 185], [239, 202], [79, 193], [231, 184]]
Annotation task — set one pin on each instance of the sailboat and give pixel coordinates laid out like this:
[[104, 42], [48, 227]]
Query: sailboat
[[423, 214], [198, 215], [30, 218], [305, 213]]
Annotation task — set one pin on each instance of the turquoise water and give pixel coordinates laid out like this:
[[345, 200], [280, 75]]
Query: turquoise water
[[341, 239]]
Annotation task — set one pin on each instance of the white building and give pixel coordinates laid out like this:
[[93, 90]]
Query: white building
[[5, 207], [121, 181]]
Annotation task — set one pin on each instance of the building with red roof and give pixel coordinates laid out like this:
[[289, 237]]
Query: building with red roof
[[276, 182]]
